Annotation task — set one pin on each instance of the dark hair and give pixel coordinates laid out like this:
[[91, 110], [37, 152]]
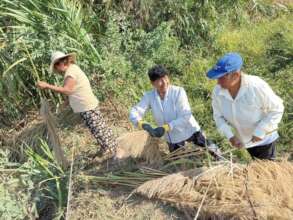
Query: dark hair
[[157, 72]]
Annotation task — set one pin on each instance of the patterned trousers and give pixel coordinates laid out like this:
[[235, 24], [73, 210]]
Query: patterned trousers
[[104, 135]]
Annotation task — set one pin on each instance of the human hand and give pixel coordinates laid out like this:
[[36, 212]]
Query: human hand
[[42, 85], [160, 131], [146, 126], [235, 142], [255, 139]]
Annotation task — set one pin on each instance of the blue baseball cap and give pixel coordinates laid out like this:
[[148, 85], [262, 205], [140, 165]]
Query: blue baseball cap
[[230, 62]]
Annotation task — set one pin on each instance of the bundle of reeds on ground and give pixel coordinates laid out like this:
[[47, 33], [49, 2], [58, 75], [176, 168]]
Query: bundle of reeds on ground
[[43, 129], [260, 190], [139, 144]]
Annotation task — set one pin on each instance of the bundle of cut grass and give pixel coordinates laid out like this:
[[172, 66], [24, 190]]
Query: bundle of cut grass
[[131, 144], [139, 144], [151, 151], [37, 129], [52, 134], [125, 178], [44, 129], [260, 190], [28, 136]]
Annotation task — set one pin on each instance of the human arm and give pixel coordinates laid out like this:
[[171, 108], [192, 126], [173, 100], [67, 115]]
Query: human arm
[[66, 89]]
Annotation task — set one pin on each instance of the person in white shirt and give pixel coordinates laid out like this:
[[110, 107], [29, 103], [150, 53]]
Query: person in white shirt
[[171, 111], [245, 108]]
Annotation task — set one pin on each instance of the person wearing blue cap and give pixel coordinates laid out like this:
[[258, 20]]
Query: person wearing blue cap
[[245, 108], [171, 110]]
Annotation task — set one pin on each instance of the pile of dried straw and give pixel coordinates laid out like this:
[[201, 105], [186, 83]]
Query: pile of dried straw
[[38, 128], [139, 144], [45, 129], [260, 190]]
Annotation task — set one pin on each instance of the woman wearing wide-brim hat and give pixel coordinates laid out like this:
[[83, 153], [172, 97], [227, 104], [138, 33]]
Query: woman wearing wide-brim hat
[[81, 98]]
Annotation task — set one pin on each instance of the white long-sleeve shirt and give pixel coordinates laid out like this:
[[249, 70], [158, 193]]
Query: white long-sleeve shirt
[[255, 111], [173, 110]]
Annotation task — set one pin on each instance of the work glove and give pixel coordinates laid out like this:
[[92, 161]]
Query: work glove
[[146, 126], [160, 131]]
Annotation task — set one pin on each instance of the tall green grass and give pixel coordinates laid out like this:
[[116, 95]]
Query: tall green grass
[[116, 41], [29, 33], [32, 189]]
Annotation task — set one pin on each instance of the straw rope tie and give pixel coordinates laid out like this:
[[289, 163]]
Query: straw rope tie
[[247, 194]]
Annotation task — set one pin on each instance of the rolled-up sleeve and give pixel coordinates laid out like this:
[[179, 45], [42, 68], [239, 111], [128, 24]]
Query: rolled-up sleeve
[[221, 123], [184, 110], [272, 107], [138, 111]]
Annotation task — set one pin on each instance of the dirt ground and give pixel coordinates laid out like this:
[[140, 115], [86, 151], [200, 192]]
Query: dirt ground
[[93, 201], [101, 204]]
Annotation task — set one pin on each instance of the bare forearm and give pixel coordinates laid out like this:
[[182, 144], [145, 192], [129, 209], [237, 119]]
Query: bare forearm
[[67, 89], [59, 89]]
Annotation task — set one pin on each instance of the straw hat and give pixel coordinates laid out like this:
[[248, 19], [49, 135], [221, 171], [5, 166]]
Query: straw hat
[[57, 55]]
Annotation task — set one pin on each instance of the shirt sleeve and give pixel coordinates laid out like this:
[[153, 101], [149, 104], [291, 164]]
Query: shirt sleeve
[[221, 123], [72, 72], [273, 108], [184, 112], [138, 111]]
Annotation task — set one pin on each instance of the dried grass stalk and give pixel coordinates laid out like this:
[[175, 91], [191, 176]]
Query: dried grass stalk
[[151, 151], [131, 144], [53, 138], [260, 190], [45, 129], [139, 144], [29, 136]]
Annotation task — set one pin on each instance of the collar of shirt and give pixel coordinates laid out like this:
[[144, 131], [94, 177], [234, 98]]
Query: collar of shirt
[[162, 102], [242, 89]]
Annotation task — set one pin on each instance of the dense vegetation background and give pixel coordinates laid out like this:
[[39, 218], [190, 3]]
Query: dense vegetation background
[[117, 41]]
